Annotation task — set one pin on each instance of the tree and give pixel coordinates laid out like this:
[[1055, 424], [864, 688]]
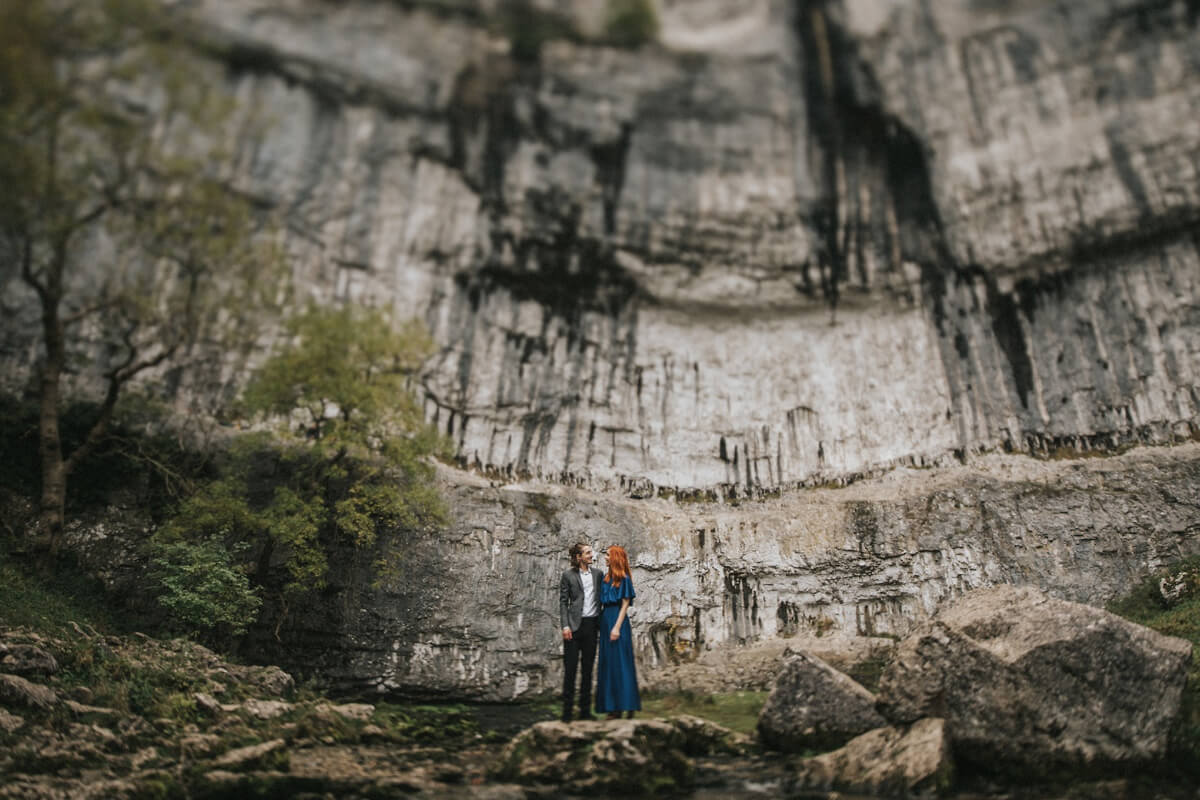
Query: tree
[[349, 455], [136, 254]]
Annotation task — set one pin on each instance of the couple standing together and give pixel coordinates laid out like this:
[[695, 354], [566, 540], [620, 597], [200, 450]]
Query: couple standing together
[[595, 606]]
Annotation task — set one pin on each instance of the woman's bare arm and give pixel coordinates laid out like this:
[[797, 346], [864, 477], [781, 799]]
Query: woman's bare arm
[[616, 631]]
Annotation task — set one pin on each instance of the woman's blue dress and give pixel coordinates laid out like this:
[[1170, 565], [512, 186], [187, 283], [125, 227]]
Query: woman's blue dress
[[616, 683]]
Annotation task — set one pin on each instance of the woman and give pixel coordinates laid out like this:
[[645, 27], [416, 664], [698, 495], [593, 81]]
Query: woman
[[616, 686]]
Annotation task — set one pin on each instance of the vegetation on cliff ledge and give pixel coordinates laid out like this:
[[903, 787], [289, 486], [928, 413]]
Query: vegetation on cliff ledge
[[1168, 601], [346, 457]]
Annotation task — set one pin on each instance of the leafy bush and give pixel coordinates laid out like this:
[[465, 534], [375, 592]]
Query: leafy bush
[[631, 23], [203, 588], [348, 456]]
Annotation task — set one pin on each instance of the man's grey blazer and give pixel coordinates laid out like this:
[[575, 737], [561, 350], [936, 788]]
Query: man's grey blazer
[[570, 596]]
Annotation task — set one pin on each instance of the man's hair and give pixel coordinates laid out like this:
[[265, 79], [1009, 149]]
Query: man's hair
[[575, 552]]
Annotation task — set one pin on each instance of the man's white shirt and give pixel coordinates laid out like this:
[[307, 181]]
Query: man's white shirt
[[591, 607]]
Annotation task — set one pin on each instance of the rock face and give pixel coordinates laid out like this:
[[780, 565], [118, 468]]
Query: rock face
[[631, 258], [472, 611], [1030, 684], [786, 244], [812, 706], [914, 761]]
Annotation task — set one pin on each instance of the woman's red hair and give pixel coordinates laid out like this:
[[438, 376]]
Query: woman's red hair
[[618, 565]]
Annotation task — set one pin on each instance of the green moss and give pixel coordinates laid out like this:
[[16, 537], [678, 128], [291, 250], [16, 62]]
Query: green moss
[[630, 23], [737, 711], [48, 604], [868, 671]]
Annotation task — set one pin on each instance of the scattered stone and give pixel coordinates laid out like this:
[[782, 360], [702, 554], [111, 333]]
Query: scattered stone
[[356, 711], [199, 745], [373, 733], [27, 659], [207, 703], [10, 722], [266, 709], [250, 756], [887, 762], [1033, 685], [16, 691], [634, 756], [81, 709], [271, 681], [814, 707], [94, 733], [704, 738]]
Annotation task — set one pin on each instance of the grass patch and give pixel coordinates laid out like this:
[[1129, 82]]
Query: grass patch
[[47, 605], [737, 711], [1145, 605]]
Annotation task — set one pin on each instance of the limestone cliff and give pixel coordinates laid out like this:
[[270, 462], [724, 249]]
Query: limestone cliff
[[786, 244]]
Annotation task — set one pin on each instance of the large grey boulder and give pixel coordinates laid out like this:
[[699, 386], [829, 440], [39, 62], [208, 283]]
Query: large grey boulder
[[1030, 683], [26, 659], [889, 762], [812, 706], [16, 692]]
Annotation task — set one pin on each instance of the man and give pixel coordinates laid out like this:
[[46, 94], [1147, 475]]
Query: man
[[579, 609]]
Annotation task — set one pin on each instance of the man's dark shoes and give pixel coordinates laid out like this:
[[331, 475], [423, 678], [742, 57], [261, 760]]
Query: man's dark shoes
[[566, 715], [587, 715]]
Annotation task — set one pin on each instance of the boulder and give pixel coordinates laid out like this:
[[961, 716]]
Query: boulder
[[812, 706], [251, 756], [889, 762], [704, 738], [1033, 685], [638, 757], [15, 691], [360, 712], [10, 722], [266, 709], [26, 659], [271, 680]]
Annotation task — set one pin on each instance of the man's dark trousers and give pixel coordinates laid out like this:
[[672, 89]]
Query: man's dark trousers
[[581, 645]]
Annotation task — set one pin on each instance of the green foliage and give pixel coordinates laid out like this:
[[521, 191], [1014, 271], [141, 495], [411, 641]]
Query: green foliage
[[112, 220], [1145, 605], [349, 456], [48, 605], [202, 586], [631, 23]]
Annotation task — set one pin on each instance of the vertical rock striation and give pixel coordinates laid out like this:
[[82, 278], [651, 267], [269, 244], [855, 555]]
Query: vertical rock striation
[[786, 244]]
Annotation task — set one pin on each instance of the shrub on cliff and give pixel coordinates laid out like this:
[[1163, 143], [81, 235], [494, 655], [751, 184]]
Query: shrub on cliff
[[347, 456], [631, 23], [1147, 605]]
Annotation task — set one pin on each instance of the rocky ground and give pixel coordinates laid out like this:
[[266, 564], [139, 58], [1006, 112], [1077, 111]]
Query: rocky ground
[[91, 715], [87, 715]]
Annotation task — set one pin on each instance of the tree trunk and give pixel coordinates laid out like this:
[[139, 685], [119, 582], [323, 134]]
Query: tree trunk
[[54, 471]]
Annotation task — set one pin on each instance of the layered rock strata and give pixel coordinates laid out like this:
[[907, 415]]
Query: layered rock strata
[[783, 244], [473, 610]]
